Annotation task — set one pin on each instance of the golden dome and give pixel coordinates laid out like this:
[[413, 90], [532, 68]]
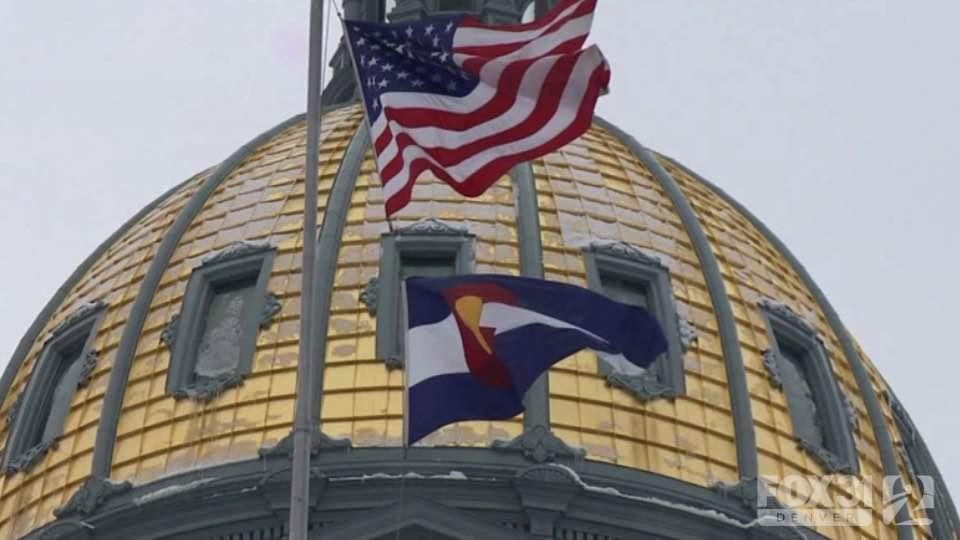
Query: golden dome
[[602, 191]]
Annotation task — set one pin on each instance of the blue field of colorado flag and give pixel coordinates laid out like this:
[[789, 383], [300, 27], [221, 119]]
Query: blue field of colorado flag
[[476, 343]]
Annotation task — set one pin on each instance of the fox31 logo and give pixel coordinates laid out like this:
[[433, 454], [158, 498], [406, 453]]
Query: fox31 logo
[[897, 507], [843, 501]]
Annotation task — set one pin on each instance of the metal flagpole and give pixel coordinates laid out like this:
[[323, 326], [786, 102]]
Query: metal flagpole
[[303, 422]]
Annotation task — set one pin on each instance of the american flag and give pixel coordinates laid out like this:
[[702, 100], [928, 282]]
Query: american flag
[[467, 100]]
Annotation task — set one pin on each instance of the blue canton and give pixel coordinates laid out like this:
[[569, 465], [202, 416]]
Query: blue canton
[[415, 56]]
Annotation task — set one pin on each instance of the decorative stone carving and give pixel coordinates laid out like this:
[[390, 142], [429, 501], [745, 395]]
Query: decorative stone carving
[[169, 335], [235, 251], [905, 457], [371, 295], [644, 387], [688, 333], [539, 445], [206, 389], [29, 457], [784, 312], [82, 312], [627, 251], [320, 442], [546, 492], [853, 416], [92, 493], [747, 491], [773, 368], [548, 473], [271, 308], [901, 417], [393, 362], [828, 459], [432, 226], [86, 371], [14, 409]]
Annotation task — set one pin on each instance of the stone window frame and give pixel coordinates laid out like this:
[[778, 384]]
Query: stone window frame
[[429, 237], [240, 261], [666, 377], [839, 454], [27, 414]]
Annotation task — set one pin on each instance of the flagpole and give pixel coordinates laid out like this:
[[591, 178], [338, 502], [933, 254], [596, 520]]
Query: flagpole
[[405, 335], [303, 422]]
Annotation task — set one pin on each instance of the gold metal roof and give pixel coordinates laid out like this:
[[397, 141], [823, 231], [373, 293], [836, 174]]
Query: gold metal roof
[[592, 189]]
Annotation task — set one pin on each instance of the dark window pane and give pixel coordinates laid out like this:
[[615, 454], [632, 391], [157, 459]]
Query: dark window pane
[[219, 350], [626, 291], [65, 384], [427, 267], [801, 396]]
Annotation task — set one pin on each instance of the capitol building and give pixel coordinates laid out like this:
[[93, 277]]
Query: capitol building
[[153, 397]]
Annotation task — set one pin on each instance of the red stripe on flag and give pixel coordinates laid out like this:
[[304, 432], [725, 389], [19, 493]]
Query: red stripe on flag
[[544, 110], [500, 102], [478, 182]]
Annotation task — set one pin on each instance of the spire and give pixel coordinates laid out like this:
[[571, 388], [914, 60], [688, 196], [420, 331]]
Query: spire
[[342, 87]]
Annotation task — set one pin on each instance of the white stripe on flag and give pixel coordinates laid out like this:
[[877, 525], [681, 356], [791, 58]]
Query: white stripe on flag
[[566, 113], [434, 349], [504, 318], [435, 137]]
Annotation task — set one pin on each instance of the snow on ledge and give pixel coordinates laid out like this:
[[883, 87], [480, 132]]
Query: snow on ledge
[[712, 515], [170, 491], [452, 475]]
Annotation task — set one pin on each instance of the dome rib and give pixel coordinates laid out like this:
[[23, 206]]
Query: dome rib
[[746, 442], [23, 347], [331, 235], [130, 338], [537, 400], [867, 391]]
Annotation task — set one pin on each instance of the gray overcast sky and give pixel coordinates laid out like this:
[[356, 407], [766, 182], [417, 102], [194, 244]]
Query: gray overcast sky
[[835, 122]]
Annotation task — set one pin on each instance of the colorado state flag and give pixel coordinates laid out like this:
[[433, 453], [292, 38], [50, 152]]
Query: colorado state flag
[[475, 344]]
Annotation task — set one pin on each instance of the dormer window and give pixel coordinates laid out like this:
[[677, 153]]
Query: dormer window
[[624, 273], [798, 363], [428, 248], [65, 364], [214, 338]]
